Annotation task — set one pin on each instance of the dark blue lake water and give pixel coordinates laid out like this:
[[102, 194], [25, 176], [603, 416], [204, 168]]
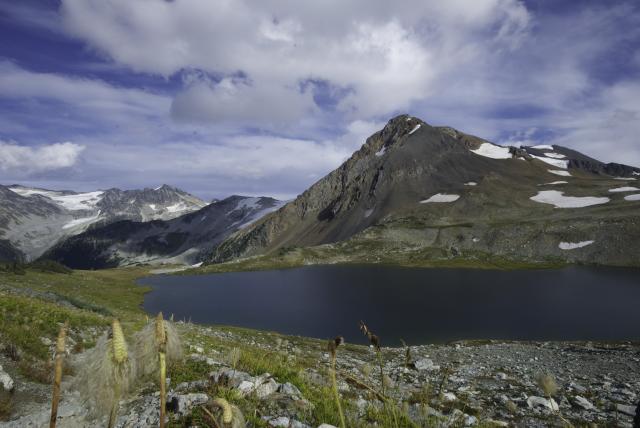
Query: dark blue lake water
[[418, 305]]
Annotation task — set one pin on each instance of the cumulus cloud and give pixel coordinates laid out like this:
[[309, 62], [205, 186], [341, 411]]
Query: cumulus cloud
[[386, 55], [25, 159], [267, 97]]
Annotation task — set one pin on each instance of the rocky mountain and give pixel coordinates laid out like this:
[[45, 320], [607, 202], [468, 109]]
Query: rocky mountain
[[33, 219], [415, 192], [181, 240]]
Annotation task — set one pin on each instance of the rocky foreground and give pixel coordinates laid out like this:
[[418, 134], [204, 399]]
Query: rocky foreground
[[459, 384]]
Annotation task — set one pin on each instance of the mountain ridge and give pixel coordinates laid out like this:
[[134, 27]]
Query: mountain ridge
[[385, 190]]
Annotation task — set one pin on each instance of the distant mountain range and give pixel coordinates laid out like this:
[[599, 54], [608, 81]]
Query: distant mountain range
[[32, 219], [187, 239], [414, 193]]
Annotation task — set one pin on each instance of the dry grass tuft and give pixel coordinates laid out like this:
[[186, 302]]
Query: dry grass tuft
[[149, 340], [547, 384], [106, 373]]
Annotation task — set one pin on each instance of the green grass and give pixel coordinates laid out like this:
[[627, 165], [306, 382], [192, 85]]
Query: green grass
[[36, 300]]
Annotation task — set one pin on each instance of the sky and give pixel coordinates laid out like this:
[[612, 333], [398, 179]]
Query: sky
[[222, 97]]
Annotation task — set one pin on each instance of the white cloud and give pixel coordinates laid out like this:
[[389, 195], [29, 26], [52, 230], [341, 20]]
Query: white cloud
[[386, 55], [25, 159]]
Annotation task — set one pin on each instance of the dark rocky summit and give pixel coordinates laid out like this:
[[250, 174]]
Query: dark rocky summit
[[414, 191]]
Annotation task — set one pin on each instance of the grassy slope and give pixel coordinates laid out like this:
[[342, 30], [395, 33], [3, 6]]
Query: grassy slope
[[89, 299]]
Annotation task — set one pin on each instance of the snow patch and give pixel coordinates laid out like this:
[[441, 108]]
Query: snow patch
[[553, 183], [624, 189], [368, 212], [555, 155], [555, 162], [152, 206], [574, 245], [557, 199], [492, 151], [542, 147], [81, 221], [197, 265], [415, 128], [635, 173], [180, 206], [562, 173], [441, 197], [258, 215], [381, 151], [78, 201], [625, 178], [632, 198], [471, 183]]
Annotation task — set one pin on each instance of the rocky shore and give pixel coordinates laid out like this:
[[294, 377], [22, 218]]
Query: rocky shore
[[528, 384]]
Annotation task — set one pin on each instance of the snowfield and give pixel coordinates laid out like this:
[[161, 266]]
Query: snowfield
[[415, 129], [632, 198], [553, 183], [624, 189], [492, 151], [79, 201], [82, 221], [180, 206], [542, 147], [557, 199], [555, 155], [557, 172], [555, 162], [440, 198], [471, 183], [574, 245]]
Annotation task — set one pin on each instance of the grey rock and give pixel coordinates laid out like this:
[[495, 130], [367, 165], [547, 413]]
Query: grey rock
[[265, 387], [229, 377], [289, 389], [626, 410], [583, 402], [425, 364], [183, 403], [6, 381], [534, 401]]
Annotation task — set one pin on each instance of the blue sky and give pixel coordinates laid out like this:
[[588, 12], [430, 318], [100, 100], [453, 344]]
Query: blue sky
[[265, 98]]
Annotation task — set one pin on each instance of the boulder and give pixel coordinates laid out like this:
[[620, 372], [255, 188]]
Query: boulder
[[6, 381], [266, 387], [583, 402], [550, 404], [425, 364], [229, 377], [183, 403]]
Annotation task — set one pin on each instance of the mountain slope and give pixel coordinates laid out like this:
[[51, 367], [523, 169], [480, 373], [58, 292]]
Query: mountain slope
[[34, 219], [181, 240], [417, 191]]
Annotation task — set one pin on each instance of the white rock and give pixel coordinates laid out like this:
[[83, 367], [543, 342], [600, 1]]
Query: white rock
[[246, 387], [266, 388], [470, 420], [583, 402], [449, 396], [534, 401], [5, 380], [426, 364], [281, 421]]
